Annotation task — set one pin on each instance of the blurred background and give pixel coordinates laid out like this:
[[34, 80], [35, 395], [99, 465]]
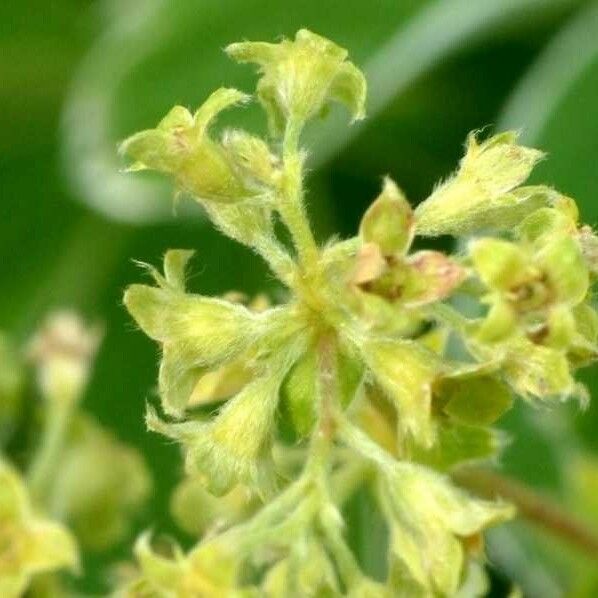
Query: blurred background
[[77, 76]]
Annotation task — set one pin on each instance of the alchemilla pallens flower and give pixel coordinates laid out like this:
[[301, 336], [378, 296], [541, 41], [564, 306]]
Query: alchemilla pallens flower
[[81, 488], [284, 411]]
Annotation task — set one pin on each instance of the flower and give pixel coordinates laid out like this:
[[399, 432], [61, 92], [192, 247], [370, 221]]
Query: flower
[[29, 544], [299, 77], [181, 146], [63, 351], [383, 267], [485, 192], [430, 520], [199, 334], [208, 570]]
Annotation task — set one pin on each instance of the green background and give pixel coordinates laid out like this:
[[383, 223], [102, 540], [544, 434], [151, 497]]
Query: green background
[[77, 76]]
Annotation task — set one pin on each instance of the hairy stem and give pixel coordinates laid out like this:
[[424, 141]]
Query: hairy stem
[[291, 208], [531, 505], [279, 261]]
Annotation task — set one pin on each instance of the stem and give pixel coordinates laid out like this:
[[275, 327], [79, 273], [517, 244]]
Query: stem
[[42, 469], [446, 314], [533, 506], [279, 261], [344, 558], [291, 208], [360, 442]]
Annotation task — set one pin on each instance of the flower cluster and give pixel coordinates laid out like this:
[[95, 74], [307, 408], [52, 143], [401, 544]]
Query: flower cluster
[[82, 487], [352, 381]]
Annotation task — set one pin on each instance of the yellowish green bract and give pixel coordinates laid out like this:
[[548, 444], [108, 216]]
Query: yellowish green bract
[[350, 382]]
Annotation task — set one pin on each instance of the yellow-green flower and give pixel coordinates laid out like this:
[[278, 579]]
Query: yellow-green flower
[[430, 520], [29, 543], [532, 288], [485, 191], [209, 571], [299, 77], [181, 146], [383, 266]]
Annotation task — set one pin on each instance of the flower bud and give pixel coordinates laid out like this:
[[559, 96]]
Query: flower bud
[[251, 156], [299, 77], [63, 351], [308, 571], [181, 146], [537, 372], [483, 191], [207, 570]]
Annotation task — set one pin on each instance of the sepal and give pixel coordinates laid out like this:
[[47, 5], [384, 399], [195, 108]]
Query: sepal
[[389, 221]]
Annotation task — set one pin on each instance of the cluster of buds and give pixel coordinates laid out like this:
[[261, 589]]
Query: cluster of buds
[[82, 487], [351, 382]]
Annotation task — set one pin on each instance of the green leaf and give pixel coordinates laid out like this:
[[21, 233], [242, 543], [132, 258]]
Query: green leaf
[[459, 444], [476, 400]]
